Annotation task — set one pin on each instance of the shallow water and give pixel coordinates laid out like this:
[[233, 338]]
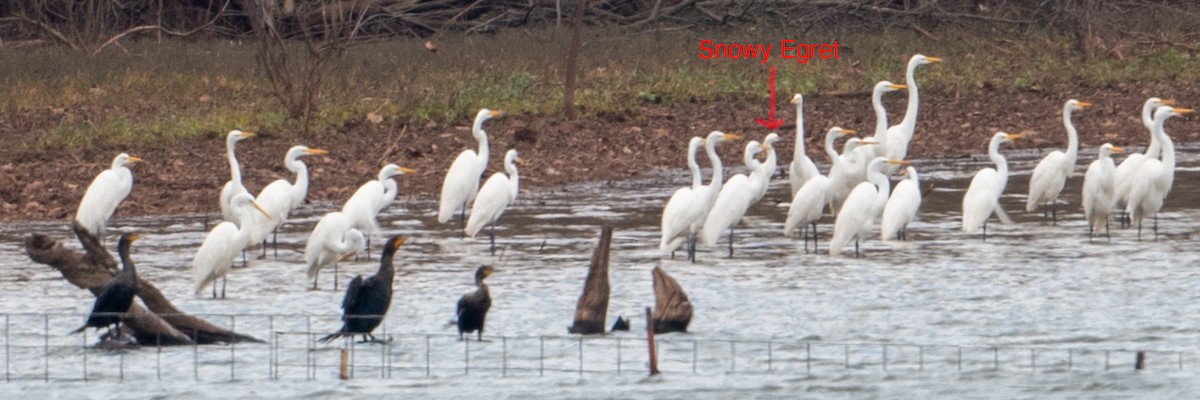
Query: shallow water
[[1030, 285]]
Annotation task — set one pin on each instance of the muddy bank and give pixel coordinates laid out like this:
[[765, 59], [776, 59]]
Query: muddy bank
[[185, 176]]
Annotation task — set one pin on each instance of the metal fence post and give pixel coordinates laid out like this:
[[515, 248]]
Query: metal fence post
[[541, 355], [427, 366], [808, 358], [467, 356], [770, 357], [581, 356], [232, 348], [504, 343], [46, 346], [618, 356], [885, 348]]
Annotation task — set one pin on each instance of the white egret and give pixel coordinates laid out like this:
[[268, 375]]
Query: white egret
[[105, 193], [1098, 185], [768, 167], [802, 168], [497, 193], [861, 208], [1125, 171], [682, 220], [234, 186], [902, 206], [809, 202], [1154, 178], [1052, 172], [685, 204], [364, 206], [222, 245], [737, 195], [330, 241], [982, 198], [281, 197], [881, 124], [900, 135], [462, 179], [846, 171]]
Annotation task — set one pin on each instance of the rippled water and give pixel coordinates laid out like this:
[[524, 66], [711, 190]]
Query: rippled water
[[1031, 284]]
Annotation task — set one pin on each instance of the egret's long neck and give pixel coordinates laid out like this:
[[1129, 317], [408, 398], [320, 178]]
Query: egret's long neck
[[300, 188], [1168, 147], [481, 136], [235, 171], [1072, 137], [697, 181], [829, 149], [514, 177], [1148, 117], [881, 120], [881, 181], [390, 189], [799, 150], [1001, 163], [718, 176], [910, 114], [751, 160], [771, 163]]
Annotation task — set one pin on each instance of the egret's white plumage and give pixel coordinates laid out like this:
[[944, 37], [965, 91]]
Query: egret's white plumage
[[901, 134], [810, 200], [864, 204], [881, 125], [497, 193], [846, 172], [332, 239], [281, 197], [1152, 181], [685, 204], [223, 243], [1051, 173], [1098, 186], [684, 214], [982, 198], [902, 206], [802, 168], [364, 206], [105, 193], [740, 192], [1124, 175], [461, 184], [234, 186]]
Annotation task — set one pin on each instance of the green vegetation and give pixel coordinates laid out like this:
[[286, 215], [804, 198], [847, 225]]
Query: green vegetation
[[159, 92]]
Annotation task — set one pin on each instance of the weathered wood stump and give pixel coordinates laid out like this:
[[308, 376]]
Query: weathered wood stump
[[158, 323], [672, 310], [591, 310]]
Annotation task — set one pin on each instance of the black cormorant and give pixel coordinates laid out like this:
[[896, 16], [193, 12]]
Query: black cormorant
[[117, 295], [473, 308], [367, 300]]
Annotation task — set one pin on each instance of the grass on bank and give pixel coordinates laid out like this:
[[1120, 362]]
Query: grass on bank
[[154, 93]]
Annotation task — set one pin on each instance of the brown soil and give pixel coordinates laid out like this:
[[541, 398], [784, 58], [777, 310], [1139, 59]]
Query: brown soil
[[186, 176]]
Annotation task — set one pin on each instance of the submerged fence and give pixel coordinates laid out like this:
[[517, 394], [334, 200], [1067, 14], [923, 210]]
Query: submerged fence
[[36, 347]]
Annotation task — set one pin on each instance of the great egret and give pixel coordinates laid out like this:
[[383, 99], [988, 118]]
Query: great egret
[[846, 171], [768, 167], [462, 179], [1098, 186], [802, 168], [809, 202], [881, 124], [116, 296], [105, 193], [900, 135], [982, 198], [281, 197], [472, 308], [902, 206], [864, 204], [682, 220], [684, 206], [367, 300], [331, 240], [496, 194], [223, 244], [1052, 172], [1153, 180], [364, 206], [1132, 162], [234, 186], [737, 195]]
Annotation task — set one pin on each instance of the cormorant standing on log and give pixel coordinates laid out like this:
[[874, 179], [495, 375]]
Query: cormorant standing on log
[[473, 307], [117, 295], [368, 300]]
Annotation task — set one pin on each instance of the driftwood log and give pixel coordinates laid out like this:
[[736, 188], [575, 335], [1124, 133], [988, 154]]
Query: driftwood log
[[158, 323], [591, 310], [672, 310]]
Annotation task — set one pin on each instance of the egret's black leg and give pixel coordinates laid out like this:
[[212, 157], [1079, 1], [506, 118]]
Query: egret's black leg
[[1106, 231], [814, 226], [985, 231], [462, 219], [275, 242], [335, 277], [1054, 212], [224, 281], [1155, 227], [264, 248], [730, 242], [492, 238], [855, 247], [214, 287]]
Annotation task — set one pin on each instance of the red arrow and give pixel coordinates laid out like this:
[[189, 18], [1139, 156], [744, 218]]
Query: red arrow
[[771, 123]]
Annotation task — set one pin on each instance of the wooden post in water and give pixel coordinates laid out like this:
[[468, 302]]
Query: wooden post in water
[[650, 343], [344, 369], [1141, 361]]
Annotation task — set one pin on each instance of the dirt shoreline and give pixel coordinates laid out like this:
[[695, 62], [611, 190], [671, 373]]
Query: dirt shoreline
[[185, 176]]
